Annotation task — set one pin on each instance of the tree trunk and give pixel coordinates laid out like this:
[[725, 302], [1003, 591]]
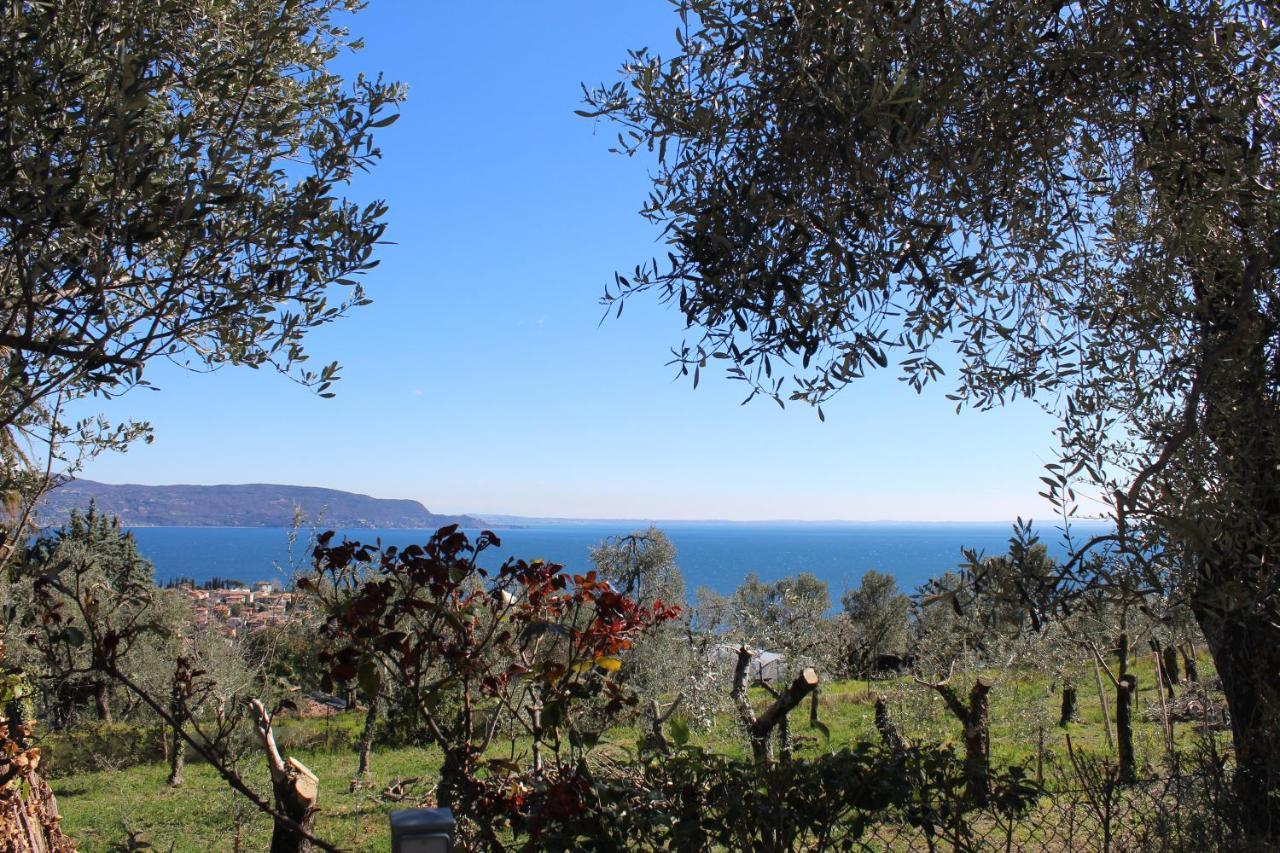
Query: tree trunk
[[889, 734], [1246, 651], [759, 729], [1126, 688], [657, 718], [813, 706], [1236, 547], [295, 797], [177, 759], [176, 751], [1189, 663], [1170, 662], [1068, 711], [294, 787], [366, 737], [977, 734], [977, 742], [102, 700]]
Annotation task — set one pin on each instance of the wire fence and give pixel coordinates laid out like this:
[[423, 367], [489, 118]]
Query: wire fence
[[1179, 812]]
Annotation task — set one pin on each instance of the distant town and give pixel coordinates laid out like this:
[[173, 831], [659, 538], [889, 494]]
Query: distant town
[[234, 610]]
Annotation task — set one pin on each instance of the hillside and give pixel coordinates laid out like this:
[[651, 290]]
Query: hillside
[[249, 505]]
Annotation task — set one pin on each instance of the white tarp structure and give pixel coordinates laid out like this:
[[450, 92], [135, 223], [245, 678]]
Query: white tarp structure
[[765, 666]]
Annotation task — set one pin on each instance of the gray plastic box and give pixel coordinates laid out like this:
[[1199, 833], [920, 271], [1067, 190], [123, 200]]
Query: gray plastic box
[[422, 831]]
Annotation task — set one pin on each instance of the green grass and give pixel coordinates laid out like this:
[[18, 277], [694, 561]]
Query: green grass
[[100, 808], [204, 814]]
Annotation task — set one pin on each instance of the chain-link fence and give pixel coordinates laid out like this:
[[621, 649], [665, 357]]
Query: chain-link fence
[[1178, 812]]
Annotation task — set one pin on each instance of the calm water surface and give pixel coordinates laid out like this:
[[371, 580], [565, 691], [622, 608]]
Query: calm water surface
[[710, 554]]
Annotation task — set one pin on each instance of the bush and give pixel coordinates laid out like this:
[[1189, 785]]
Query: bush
[[100, 746]]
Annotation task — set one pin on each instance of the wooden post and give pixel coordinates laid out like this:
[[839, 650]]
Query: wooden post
[[1106, 712], [1164, 706], [1040, 756], [1126, 688], [813, 706], [294, 786]]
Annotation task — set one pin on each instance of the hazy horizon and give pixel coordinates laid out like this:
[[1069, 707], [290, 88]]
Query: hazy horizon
[[497, 516]]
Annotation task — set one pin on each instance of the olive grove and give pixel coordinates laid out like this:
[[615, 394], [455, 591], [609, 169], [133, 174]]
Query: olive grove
[[1075, 202]]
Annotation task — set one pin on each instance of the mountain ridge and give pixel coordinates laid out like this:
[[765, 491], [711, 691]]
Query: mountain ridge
[[239, 505]]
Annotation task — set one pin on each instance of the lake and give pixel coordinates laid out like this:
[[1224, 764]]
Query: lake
[[712, 554]]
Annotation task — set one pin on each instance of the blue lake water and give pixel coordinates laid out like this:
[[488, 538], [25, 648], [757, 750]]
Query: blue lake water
[[716, 555]]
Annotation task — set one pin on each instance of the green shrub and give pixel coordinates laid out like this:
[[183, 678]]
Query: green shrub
[[100, 746]]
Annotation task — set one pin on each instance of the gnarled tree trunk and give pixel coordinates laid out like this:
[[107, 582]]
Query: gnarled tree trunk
[[1246, 651], [889, 734], [366, 737], [294, 787], [1069, 701], [974, 716], [1235, 547], [760, 728], [657, 718], [177, 760], [177, 749], [102, 700], [1189, 663], [1169, 662]]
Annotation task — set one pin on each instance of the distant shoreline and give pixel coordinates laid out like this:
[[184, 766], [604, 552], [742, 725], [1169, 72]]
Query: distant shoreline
[[634, 523]]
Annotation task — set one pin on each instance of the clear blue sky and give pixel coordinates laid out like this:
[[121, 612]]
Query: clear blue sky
[[480, 380]]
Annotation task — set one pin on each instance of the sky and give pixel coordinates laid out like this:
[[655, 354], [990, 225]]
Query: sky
[[482, 379]]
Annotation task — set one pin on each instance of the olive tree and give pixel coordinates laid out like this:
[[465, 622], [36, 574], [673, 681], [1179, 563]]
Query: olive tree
[[642, 565], [86, 595], [785, 615], [881, 619], [172, 178], [1074, 202], [171, 187]]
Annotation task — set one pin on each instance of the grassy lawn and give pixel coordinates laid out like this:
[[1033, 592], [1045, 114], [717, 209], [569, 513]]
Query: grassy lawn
[[100, 809]]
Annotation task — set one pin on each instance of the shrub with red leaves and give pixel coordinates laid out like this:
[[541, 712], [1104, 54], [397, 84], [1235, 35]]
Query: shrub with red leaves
[[522, 654]]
